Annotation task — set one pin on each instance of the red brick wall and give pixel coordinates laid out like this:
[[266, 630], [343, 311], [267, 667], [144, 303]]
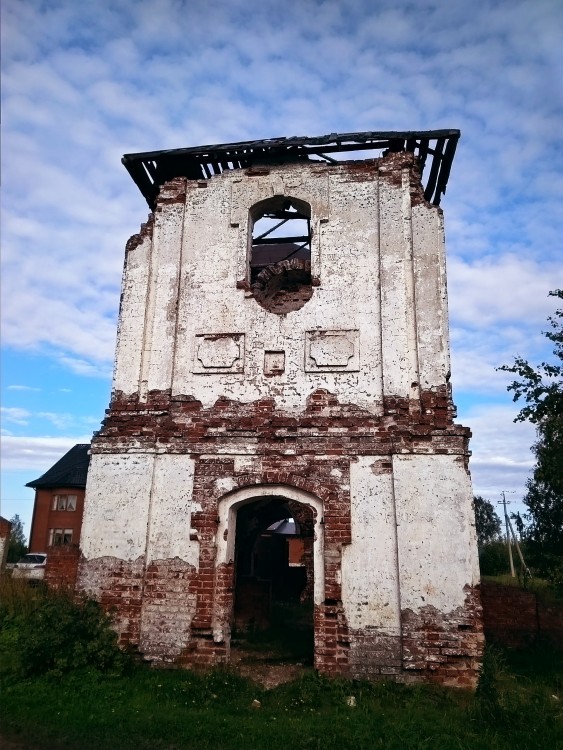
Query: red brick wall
[[516, 617], [183, 425], [5, 531], [62, 566]]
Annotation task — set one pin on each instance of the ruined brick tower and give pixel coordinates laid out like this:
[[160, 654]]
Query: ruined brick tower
[[283, 354]]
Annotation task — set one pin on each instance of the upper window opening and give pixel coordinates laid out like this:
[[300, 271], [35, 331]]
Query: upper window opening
[[280, 256], [64, 502]]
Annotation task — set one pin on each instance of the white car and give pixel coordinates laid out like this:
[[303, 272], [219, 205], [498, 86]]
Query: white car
[[31, 566]]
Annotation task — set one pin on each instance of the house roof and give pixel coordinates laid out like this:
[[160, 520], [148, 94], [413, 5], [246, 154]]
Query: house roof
[[151, 169], [69, 471]]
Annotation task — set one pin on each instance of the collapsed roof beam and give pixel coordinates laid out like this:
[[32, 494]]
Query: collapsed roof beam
[[150, 170]]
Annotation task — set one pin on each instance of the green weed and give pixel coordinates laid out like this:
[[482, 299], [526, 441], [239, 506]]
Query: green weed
[[180, 710], [44, 631], [66, 692]]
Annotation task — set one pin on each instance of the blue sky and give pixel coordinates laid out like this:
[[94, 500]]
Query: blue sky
[[84, 83]]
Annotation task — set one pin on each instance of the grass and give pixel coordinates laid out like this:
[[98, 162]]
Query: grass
[[66, 687], [176, 710]]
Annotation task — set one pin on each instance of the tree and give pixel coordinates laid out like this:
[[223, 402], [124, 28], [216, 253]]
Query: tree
[[487, 523], [17, 546], [542, 389], [541, 386], [544, 497]]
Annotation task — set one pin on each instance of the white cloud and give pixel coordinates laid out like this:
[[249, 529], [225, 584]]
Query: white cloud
[[22, 388], [15, 415], [84, 83], [83, 367], [501, 458], [497, 290], [60, 421], [36, 453]]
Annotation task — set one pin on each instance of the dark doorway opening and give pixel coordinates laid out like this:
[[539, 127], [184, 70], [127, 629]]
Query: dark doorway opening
[[274, 576]]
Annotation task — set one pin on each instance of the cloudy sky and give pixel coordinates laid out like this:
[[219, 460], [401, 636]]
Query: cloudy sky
[[86, 82]]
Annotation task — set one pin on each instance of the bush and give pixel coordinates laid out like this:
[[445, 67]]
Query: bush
[[44, 631], [487, 691], [493, 559]]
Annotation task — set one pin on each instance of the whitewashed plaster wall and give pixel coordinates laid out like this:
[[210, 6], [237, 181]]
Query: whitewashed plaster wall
[[370, 580], [139, 505], [413, 540], [437, 549], [367, 237]]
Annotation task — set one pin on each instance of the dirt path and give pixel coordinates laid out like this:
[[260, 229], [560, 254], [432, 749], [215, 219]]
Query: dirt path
[[266, 668]]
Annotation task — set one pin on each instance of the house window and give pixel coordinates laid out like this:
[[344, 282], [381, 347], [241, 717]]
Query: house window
[[58, 537], [280, 254], [64, 502]]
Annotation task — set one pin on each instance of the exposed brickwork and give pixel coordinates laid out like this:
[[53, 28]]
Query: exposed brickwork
[[326, 427], [391, 169], [61, 569], [174, 191], [444, 648], [135, 240], [169, 599], [118, 586], [215, 587], [433, 647], [516, 617], [284, 287], [187, 614], [332, 643], [375, 655]]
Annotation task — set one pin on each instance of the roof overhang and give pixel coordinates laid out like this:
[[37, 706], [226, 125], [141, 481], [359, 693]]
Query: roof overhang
[[435, 150]]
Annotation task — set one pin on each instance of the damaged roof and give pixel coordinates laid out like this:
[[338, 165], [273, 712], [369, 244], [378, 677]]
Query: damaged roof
[[435, 150], [69, 471]]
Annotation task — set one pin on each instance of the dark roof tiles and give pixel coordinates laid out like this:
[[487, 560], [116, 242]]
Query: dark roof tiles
[[69, 471]]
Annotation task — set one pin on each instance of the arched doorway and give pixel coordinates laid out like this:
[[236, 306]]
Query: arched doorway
[[272, 537]]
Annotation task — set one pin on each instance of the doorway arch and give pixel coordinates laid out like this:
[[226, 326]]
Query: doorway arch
[[270, 501]]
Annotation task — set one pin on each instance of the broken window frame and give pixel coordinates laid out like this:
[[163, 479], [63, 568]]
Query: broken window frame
[[277, 204]]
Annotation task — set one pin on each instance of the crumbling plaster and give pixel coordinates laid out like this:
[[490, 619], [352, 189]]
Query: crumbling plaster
[[343, 405], [373, 254]]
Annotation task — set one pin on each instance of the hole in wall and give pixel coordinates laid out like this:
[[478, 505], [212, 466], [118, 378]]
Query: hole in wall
[[280, 254]]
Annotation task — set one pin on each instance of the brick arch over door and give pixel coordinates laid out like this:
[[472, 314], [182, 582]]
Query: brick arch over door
[[220, 483], [229, 504]]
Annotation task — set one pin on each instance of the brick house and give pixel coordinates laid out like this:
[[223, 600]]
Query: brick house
[[59, 501], [5, 531], [283, 353]]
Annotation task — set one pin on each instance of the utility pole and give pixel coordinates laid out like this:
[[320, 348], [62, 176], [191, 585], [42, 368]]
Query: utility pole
[[525, 568], [507, 525]]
